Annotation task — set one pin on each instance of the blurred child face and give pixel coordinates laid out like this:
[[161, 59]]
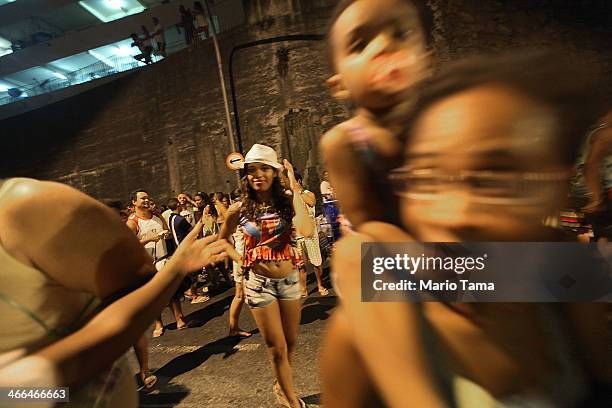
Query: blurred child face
[[379, 51], [482, 165]]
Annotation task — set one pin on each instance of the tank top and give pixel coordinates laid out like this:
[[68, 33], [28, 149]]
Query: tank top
[[269, 238], [36, 311], [145, 226]]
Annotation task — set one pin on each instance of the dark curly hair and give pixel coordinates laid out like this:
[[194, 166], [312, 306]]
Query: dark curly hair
[[207, 202], [548, 76], [251, 205]]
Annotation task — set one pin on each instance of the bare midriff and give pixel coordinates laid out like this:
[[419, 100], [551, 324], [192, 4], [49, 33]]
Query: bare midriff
[[273, 269]]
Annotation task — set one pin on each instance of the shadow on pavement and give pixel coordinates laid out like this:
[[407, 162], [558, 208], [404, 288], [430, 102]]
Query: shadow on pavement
[[314, 399], [172, 395], [210, 310], [317, 308], [188, 361]]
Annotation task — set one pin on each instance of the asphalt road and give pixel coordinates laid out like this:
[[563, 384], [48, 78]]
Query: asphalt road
[[202, 367]]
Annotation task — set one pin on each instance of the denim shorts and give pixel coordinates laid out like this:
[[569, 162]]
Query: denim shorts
[[260, 290]]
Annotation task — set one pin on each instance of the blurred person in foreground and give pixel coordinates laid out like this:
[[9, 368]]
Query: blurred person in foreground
[[380, 54], [487, 158], [595, 177], [77, 290]]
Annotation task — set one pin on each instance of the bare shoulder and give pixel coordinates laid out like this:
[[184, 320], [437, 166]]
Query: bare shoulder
[[55, 227], [47, 204]]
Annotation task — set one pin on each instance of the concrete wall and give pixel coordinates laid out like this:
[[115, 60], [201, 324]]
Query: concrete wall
[[163, 127]]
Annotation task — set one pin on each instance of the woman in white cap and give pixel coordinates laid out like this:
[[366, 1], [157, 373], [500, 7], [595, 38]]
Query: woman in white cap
[[269, 261]]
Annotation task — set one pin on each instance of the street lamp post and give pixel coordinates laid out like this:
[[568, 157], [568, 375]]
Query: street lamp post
[[228, 117]]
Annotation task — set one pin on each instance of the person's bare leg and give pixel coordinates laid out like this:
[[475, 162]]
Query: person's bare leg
[[159, 327], [177, 311], [303, 281], [318, 273], [270, 325], [234, 313], [142, 355], [291, 311]]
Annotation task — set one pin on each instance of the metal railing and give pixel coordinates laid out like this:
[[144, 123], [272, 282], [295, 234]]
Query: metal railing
[[109, 66]]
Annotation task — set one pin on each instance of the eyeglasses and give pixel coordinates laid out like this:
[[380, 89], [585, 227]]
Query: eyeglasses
[[488, 187]]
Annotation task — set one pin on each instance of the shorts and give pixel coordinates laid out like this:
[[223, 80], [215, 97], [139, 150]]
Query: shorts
[[261, 291]]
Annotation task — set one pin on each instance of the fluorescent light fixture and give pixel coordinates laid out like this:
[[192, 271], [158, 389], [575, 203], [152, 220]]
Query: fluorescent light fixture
[[60, 76], [123, 51], [109, 10], [115, 3], [3, 88], [5, 47]]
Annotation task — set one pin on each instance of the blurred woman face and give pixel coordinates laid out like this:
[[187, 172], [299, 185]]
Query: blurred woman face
[[481, 165], [260, 176]]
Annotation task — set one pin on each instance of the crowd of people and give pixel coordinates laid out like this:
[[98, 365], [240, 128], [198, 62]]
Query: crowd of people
[[481, 149], [193, 23]]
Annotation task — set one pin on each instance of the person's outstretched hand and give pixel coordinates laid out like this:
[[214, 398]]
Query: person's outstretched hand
[[194, 254]]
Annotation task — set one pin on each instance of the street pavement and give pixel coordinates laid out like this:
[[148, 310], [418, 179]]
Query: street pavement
[[202, 367]]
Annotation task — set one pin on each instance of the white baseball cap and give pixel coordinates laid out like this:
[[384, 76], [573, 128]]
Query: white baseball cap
[[262, 154]]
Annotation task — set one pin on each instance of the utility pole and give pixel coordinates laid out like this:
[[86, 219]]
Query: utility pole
[[228, 116]]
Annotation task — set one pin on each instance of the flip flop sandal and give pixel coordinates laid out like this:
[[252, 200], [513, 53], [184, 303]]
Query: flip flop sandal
[[242, 334], [158, 332], [280, 395], [187, 325], [199, 299], [150, 382]]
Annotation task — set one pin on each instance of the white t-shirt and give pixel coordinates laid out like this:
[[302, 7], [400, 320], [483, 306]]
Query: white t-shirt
[[166, 216], [326, 189]]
